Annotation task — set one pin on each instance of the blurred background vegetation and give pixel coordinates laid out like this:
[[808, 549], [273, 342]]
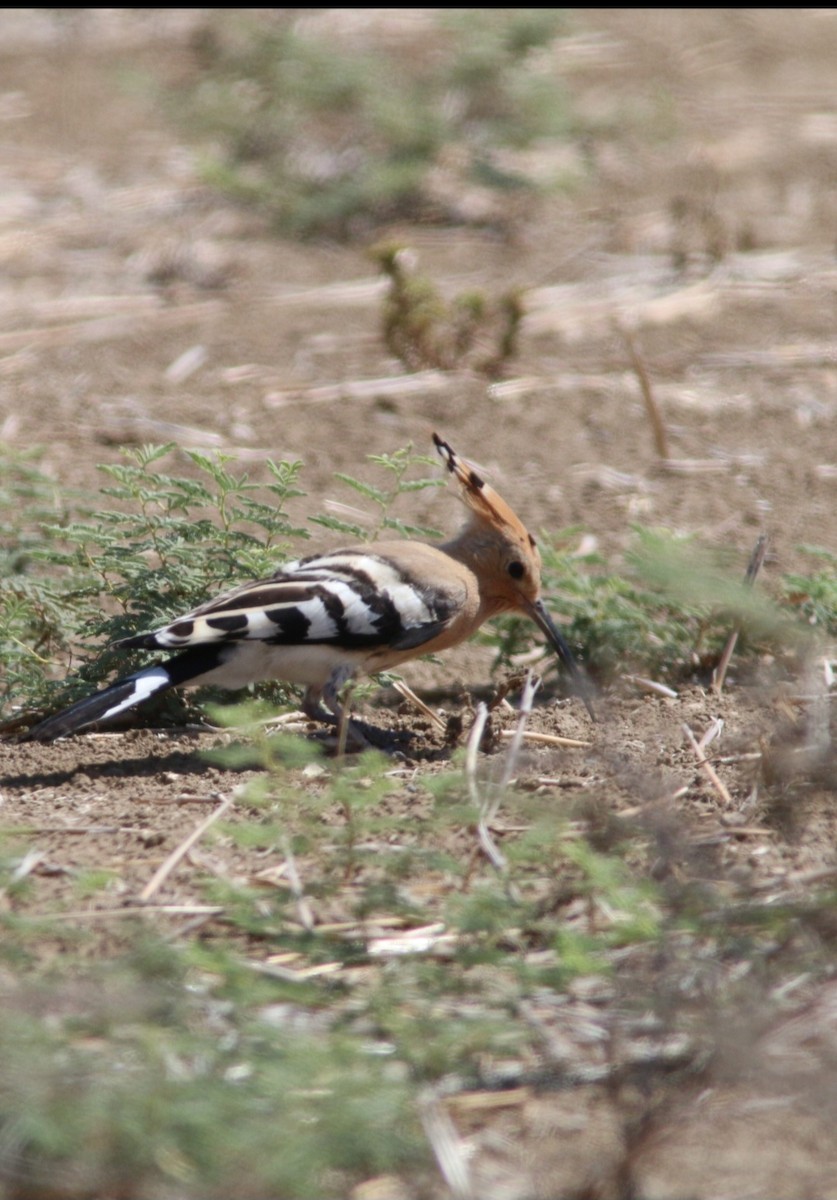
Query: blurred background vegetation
[[332, 139]]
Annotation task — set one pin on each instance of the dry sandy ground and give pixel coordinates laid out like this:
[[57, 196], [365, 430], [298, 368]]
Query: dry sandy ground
[[714, 244]]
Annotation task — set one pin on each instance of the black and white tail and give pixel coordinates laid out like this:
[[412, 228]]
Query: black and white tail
[[131, 690]]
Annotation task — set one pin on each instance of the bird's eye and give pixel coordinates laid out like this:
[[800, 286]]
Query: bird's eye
[[516, 569]]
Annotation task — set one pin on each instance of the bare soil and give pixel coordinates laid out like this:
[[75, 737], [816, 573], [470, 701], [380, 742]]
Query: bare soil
[[708, 231]]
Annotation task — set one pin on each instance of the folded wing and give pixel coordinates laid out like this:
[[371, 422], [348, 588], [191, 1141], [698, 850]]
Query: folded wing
[[350, 599]]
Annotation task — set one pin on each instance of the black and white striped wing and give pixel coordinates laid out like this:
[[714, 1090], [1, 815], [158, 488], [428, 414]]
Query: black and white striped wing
[[353, 600]]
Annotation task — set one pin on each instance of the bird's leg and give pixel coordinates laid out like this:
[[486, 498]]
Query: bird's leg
[[333, 711]]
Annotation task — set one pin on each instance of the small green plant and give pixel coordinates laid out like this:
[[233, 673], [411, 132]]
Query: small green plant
[[331, 138], [422, 330], [814, 596], [169, 543], [33, 626], [669, 615]]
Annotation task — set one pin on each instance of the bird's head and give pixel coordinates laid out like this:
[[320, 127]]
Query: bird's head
[[504, 556]]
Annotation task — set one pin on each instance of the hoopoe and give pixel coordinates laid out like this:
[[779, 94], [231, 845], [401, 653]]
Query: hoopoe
[[324, 619]]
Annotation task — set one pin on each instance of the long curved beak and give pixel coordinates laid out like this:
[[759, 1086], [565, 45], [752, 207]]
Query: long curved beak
[[537, 611]]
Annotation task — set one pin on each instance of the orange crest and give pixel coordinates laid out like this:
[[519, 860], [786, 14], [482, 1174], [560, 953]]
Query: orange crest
[[486, 504]]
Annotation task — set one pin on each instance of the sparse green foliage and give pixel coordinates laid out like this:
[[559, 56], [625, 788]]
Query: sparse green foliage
[[32, 623], [707, 585], [130, 1083], [329, 138], [89, 882], [170, 543], [396, 466], [814, 596], [356, 832], [632, 904], [668, 615]]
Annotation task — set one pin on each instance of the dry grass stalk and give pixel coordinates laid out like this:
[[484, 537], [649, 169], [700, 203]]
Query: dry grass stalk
[[469, 1102], [134, 910], [125, 429], [407, 692], [303, 908], [288, 720], [489, 847], [446, 1144], [77, 307], [545, 739], [358, 930], [707, 767], [104, 329], [292, 975], [427, 939], [753, 568], [696, 466], [179, 853], [527, 696], [36, 830], [489, 806], [810, 355], [357, 293], [714, 731], [651, 407], [420, 382], [651, 685], [750, 756]]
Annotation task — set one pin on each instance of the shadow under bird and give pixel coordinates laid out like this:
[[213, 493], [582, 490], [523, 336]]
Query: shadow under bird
[[322, 620]]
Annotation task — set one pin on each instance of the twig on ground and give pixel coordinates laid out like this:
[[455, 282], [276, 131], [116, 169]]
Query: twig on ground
[[306, 916], [707, 767], [546, 739], [138, 910], [714, 731], [651, 685], [165, 869], [408, 694]]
